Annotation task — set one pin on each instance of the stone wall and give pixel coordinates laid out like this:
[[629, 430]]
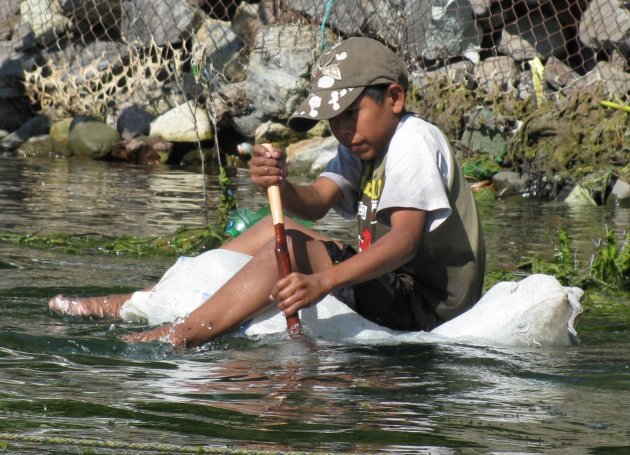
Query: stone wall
[[90, 57]]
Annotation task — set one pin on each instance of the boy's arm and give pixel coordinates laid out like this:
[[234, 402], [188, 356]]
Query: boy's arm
[[391, 251]]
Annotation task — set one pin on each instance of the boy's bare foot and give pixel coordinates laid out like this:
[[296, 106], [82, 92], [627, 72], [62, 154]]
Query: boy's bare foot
[[102, 307]]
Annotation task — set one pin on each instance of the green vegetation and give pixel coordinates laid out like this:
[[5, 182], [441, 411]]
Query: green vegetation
[[182, 242], [568, 138], [609, 268]]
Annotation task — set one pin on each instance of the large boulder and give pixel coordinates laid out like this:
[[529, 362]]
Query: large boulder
[[379, 18], [134, 121], [311, 156], [219, 42], [45, 19], [620, 195], [92, 138], [441, 30], [605, 25], [185, 123], [36, 126], [279, 68], [497, 74], [148, 21]]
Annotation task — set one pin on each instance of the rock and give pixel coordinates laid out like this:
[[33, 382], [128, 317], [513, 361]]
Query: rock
[[147, 21], [347, 16], [486, 131], [192, 157], [43, 146], [558, 75], [248, 19], [580, 196], [60, 130], [457, 72], [8, 23], [480, 7], [45, 19], [516, 47], [543, 32], [508, 183], [10, 8], [134, 121], [90, 61], [142, 150], [185, 123], [36, 126], [610, 77], [620, 195], [92, 138], [377, 18], [614, 78], [229, 104], [247, 124], [605, 24], [13, 63], [278, 69], [441, 30], [497, 74], [311, 156], [220, 43], [277, 133]]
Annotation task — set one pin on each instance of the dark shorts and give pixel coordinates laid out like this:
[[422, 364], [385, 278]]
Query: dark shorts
[[389, 300]]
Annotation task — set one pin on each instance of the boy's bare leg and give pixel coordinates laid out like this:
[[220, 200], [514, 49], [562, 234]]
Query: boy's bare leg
[[107, 306], [247, 292], [250, 287]]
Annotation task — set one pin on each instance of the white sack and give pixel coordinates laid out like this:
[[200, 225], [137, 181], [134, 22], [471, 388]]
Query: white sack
[[537, 311]]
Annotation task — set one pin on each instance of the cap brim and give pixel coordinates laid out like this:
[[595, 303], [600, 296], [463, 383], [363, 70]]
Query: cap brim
[[322, 105]]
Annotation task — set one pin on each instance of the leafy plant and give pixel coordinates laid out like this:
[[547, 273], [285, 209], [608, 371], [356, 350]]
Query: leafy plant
[[611, 264], [609, 268]]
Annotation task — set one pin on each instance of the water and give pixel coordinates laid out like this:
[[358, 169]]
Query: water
[[71, 386]]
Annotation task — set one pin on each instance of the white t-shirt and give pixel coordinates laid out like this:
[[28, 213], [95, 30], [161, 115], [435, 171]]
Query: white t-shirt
[[416, 173]]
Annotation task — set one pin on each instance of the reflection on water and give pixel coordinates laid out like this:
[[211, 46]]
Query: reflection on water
[[57, 195], [74, 378]]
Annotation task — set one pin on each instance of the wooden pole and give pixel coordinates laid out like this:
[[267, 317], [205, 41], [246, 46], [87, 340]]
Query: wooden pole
[[283, 258]]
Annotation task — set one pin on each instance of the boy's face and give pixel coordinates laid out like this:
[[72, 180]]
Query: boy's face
[[366, 127]]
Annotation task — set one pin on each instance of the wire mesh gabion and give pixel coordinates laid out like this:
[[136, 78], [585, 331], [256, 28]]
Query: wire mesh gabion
[[89, 57]]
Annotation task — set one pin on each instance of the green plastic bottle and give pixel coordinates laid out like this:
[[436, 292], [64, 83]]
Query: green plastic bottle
[[241, 219]]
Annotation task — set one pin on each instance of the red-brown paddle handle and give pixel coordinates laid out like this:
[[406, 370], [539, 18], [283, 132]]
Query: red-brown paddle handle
[[281, 248]]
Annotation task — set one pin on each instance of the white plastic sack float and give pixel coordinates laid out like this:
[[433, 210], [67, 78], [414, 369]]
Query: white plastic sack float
[[537, 311]]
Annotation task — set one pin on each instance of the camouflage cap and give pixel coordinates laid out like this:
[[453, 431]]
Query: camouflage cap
[[340, 75]]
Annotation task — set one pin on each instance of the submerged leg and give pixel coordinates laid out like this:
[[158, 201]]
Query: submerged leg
[[107, 306]]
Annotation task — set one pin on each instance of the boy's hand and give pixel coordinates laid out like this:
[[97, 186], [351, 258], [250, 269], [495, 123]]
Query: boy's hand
[[267, 167], [297, 291]]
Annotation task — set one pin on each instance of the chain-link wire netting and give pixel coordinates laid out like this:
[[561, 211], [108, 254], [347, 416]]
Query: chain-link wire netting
[[90, 57]]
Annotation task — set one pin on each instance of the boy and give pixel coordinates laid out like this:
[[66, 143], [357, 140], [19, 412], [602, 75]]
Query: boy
[[421, 256]]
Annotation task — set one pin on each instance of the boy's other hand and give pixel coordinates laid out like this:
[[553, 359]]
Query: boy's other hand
[[267, 167], [297, 291]]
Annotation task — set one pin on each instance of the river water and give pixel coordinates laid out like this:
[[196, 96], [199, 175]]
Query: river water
[[72, 386]]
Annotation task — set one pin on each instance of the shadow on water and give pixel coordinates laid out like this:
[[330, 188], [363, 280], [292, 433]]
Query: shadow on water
[[70, 383]]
